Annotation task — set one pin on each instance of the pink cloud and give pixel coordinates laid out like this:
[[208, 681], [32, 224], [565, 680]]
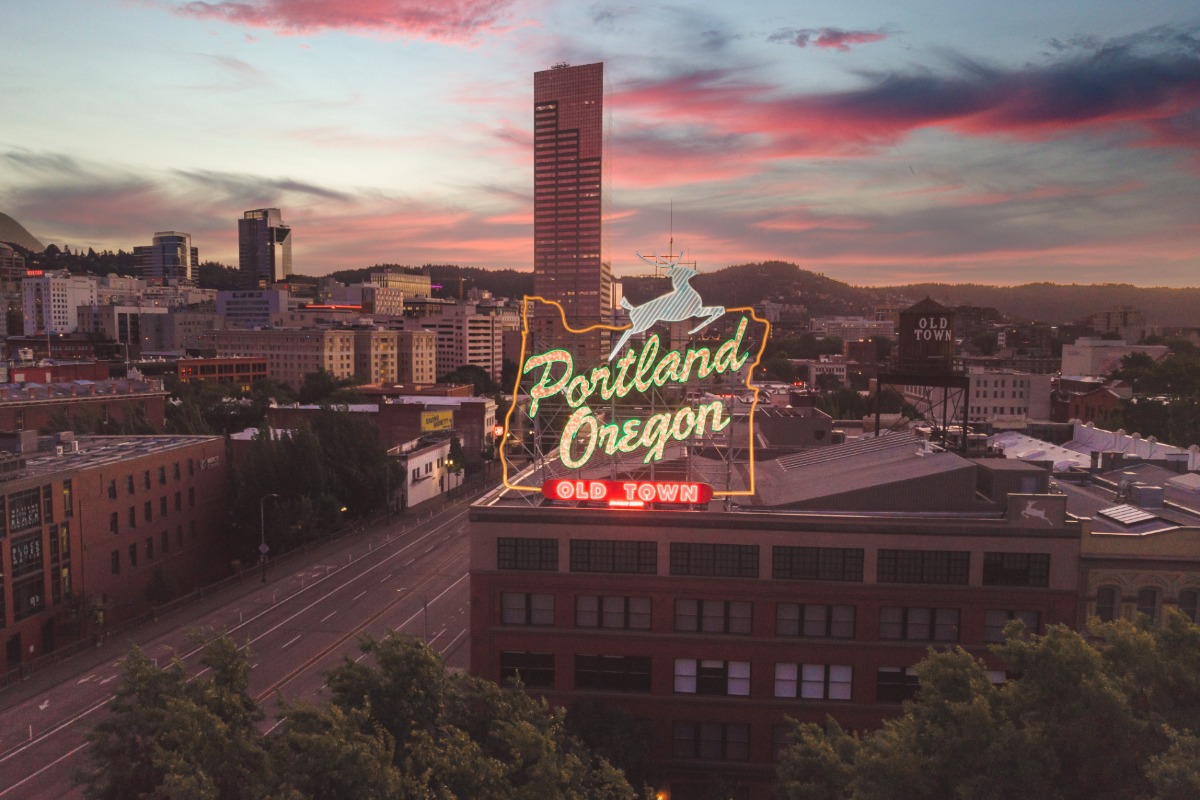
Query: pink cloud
[[444, 20], [827, 38]]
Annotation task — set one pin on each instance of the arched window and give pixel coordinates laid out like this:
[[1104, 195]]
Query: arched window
[[1106, 603], [1189, 603], [1147, 603]]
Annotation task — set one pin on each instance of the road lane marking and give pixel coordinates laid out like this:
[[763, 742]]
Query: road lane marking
[[292, 642], [360, 594], [386, 578], [85, 680], [327, 616]]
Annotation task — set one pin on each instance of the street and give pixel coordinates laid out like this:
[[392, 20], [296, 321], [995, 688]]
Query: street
[[405, 576]]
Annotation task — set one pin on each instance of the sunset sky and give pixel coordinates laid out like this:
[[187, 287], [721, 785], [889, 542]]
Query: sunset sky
[[876, 142]]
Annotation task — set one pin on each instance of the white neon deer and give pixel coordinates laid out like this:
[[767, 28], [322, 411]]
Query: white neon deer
[[682, 302]]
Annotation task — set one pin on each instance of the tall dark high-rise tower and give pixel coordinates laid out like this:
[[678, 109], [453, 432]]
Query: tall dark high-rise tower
[[568, 138], [264, 248]]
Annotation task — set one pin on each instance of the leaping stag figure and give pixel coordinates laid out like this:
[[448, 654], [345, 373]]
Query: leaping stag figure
[[682, 302]]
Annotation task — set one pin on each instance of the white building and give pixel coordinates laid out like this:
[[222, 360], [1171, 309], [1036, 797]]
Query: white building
[[427, 472], [51, 301], [1000, 398], [1091, 356]]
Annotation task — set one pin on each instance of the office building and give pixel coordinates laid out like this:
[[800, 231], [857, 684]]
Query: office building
[[568, 263], [169, 257], [51, 301], [264, 248], [291, 353]]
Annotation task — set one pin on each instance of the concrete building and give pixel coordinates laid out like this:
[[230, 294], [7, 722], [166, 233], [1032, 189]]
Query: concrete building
[[428, 474], [290, 353], [264, 248], [91, 521], [12, 265], [251, 308], [815, 597], [568, 165], [376, 356], [1127, 322], [51, 301], [1090, 356], [466, 338], [120, 324], [178, 332], [416, 356], [408, 284]]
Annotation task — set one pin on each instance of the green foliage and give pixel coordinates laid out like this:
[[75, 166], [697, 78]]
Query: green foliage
[[1103, 720], [320, 388], [475, 376], [166, 736]]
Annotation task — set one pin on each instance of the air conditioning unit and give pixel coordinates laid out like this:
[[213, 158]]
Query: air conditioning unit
[[58, 449]]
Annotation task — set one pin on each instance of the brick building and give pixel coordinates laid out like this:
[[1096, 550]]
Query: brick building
[[109, 402], [86, 530]]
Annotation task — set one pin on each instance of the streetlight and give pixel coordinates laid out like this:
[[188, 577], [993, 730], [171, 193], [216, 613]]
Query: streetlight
[[262, 527]]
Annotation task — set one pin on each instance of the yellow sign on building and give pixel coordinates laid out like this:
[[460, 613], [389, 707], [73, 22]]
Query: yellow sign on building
[[436, 421]]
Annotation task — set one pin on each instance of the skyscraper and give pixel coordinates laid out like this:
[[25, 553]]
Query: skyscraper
[[568, 128], [264, 248], [170, 257]]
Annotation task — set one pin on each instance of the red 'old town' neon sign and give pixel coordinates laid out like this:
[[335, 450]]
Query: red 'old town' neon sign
[[628, 494]]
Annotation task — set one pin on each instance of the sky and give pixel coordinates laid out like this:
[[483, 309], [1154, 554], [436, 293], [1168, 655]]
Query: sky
[[875, 142]]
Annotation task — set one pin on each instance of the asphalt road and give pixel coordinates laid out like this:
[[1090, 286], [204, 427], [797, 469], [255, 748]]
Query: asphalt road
[[406, 576]]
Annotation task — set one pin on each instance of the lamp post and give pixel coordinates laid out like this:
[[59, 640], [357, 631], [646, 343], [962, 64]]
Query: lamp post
[[262, 528]]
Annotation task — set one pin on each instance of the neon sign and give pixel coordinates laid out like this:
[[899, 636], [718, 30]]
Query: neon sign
[[628, 494], [580, 400], [651, 434]]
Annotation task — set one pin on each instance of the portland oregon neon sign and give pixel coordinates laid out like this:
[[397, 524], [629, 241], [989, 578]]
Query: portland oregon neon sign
[[554, 379]]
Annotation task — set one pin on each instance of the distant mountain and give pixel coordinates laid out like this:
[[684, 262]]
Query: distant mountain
[[14, 232]]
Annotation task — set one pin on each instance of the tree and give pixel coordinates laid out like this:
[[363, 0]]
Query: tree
[[1101, 719], [170, 737], [476, 376]]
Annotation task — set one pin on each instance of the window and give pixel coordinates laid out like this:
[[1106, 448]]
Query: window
[[713, 616], [629, 613], [69, 498], [606, 555], [613, 673], [530, 554], [177, 475], [148, 510], [1147, 603], [146, 478], [178, 501], [179, 536], [919, 624], [813, 681], [191, 497], [1016, 569], [814, 620], [923, 566], [116, 562], [166, 542], [896, 684], [133, 554], [707, 676], [149, 548], [162, 505], [711, 741], [783, 737], [1107, 598], [532, 669], [1189, 601], [162, 475], [817, 563], [113, 522], [523, 608], [132, 517], [112, 489], [129, 483], [714, 560], [994, 623]]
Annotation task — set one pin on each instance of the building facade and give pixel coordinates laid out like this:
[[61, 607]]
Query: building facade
[[51, 301], [715, 628], [169, 257], [416, 356], [568, 130], [264, 248], [290, 353], [87, 530]]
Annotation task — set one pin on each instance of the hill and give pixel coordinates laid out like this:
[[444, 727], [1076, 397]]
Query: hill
[[14, 232]]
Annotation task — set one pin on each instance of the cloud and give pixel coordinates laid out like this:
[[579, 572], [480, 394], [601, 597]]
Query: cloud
[[827, 38], [1143, 91], [444, 20]]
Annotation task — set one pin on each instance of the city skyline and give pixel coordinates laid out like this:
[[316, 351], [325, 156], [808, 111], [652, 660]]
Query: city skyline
[[875, 144]]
